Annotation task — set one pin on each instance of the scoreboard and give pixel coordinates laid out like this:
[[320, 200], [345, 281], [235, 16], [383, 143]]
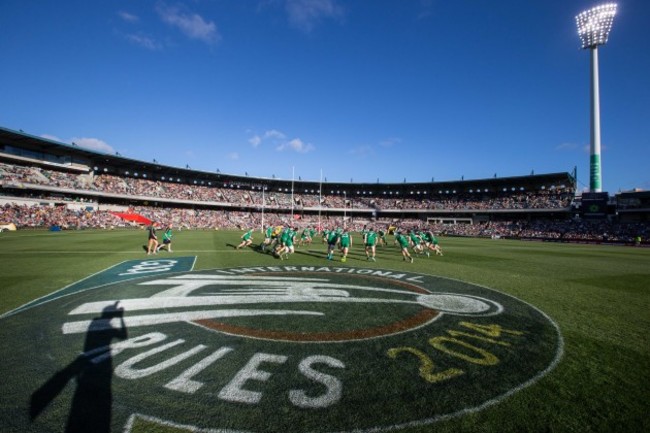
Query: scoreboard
[[594, 204]]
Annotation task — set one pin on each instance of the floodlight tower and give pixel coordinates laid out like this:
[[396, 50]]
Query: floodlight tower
[[594, 26]]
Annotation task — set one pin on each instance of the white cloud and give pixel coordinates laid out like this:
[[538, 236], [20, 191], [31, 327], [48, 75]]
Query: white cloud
[[305, 14], [192, 25], [51, 137], [586, 148], [365, 151], [279, 140], [93, 144], [255, 140], [275, 134], [234, 156], [362, 151], [144, 42], [426, 9], [296, 145], [390, 142], [88, 143], [566, 146], [129, 18]]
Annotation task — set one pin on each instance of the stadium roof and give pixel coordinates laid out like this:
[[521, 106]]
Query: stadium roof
[[14, 142]]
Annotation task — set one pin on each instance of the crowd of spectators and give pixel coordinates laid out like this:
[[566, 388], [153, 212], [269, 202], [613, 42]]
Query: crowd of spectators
[[264, 208], [566, 230], [279, 199], [549, 199], [45, 216]]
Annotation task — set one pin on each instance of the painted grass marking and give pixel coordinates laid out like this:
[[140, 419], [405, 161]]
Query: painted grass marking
[[158, 319]]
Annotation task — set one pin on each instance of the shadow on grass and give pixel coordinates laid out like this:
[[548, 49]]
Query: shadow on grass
[[93, 370], [311, 253]]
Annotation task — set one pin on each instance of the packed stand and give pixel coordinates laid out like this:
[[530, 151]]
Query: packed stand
[[137, 187]]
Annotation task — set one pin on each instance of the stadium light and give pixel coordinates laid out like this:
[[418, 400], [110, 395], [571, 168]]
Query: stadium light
[[594, 26]]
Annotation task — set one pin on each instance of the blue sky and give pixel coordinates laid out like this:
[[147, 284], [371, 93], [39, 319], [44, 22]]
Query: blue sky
[[360, 90]]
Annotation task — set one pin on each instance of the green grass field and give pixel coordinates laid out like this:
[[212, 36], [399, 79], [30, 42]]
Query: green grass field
[[599, 296]]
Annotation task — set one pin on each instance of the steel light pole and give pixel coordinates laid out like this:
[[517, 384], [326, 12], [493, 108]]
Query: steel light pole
[[594, 26]]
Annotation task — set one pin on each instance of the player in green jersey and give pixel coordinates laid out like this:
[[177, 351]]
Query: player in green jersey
[[280, 248], [268, 234], [246, 239], [305, 237], [364, 233], [167, 240], [326, 235], [429, 245], [416, 241], [403, 242], [286, 247], [346, 242], [381, 239], [434, 245], [371, 242], [332, 240]]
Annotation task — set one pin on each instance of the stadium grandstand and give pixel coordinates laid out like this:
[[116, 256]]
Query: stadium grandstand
[[48, 184]]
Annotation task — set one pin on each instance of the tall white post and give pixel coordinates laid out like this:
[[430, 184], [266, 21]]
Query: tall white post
[[594, 26], [263, 203], [320, 199], [345, 206], [293, 174], [595, 171]]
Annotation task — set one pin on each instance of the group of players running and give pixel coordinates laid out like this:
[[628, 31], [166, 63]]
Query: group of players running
[[280, 241]]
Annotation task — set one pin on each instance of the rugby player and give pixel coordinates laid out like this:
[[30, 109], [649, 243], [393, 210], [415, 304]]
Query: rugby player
[[416, 240], [370, 243], [332, 240], [246, 239], [305, 236], [167, 240], [403, 242], [346, 242], [268, 234], [286, 243]]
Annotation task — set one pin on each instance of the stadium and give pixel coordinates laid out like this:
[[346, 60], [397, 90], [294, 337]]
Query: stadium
[[523, 315], [141, 296], [65, 182]]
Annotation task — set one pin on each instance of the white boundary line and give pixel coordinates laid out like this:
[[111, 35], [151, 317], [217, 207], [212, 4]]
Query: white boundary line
[[140, 252], [128, 427], [11, 312], [33, 301]]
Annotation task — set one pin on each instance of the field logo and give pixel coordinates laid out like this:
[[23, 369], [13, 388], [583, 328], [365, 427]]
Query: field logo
[[291, 348]]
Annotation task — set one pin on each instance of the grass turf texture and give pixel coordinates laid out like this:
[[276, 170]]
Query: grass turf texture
[[598, 295]]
